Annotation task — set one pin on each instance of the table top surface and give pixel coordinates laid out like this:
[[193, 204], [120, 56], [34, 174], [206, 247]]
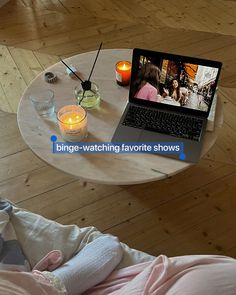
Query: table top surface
[[101, 168]]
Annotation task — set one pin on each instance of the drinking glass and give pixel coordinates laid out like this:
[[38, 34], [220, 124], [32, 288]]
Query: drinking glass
[[43, 103]]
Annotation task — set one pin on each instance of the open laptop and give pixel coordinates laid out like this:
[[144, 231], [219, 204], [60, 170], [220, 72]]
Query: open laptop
[[169, 100]]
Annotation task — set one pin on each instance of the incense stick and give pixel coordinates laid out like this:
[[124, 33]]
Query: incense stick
[[95, 61], [71, 70]]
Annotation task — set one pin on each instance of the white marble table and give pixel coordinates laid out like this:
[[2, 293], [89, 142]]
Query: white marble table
[[101, 168]]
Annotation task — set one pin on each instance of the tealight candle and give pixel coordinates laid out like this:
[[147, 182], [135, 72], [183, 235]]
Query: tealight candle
[[123, 72], [72, 120]]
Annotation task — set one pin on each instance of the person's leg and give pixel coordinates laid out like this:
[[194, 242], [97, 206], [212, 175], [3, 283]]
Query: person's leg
[[91, 265]]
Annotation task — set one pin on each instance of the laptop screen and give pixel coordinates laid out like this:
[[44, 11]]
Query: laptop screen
[[174, 81]]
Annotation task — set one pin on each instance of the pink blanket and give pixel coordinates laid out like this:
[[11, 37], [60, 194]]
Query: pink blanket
[[188, 275], [24, 283], [185, 275]]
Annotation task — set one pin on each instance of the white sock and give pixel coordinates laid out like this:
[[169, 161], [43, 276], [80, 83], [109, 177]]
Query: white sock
[[91, 265]]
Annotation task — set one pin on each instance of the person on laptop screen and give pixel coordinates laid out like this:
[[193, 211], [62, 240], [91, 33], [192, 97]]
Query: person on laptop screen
[[176, 93], [146, 84]]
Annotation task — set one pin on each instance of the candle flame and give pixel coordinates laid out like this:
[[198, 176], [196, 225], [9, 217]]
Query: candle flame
[[71, 120], [124, 67]]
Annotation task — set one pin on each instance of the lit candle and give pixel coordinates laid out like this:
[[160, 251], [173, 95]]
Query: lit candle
[[72, 120], [123, 72]]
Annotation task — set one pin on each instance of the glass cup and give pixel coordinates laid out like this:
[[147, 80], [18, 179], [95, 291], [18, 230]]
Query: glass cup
[[43, 103], [88, 99]]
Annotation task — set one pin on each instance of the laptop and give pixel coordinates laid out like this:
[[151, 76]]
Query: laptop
[[170, 99]]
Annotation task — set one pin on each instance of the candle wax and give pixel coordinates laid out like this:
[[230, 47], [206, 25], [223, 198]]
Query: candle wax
[[70, 120]]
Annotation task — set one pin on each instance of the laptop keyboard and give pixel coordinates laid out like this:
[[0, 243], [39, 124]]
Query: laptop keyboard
[[177, 125]]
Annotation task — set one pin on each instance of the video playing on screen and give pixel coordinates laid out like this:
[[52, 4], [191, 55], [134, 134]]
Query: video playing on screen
[[174, 82]]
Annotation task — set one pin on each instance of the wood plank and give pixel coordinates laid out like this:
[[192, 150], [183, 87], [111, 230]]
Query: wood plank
[[184, 15], [228, 7], [228, 80], [46, 60], [138, 199], [229, 58], [229, 94], [176, 220], [203, 44], [210, 16], [218, 154], [227, 139], [17, 14], [4, 105], [173, 16], [11, 141], [208, 237], [113, 35], [26, 62], [223, 150], [54, 5], [11, 144], [18, 163], [197, 16], [229, 111], [99, 8], [48, 25], [67, 198], [8, 124], [61, 43], [11, 79], [31, 181]]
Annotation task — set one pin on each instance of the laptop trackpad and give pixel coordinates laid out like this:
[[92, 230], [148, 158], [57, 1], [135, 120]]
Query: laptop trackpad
[[149, 136], [126, 134]]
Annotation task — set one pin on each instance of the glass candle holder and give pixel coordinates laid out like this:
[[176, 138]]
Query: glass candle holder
[[88, 99], [72, 120], [123, 72]]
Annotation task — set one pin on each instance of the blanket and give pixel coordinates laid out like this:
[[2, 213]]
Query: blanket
[[11, 255], [25, 283], [189, 275], [37, 236], [29, 237]]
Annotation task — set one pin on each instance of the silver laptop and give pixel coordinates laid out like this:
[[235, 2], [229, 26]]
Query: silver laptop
[[169, 101]]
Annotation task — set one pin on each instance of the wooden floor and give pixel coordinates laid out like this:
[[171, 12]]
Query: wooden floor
[[192, 212]]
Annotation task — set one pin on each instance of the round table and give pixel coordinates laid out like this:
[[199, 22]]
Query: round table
[[116, 169]]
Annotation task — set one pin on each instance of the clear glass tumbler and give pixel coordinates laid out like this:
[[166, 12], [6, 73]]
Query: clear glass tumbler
[[43, 103]]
